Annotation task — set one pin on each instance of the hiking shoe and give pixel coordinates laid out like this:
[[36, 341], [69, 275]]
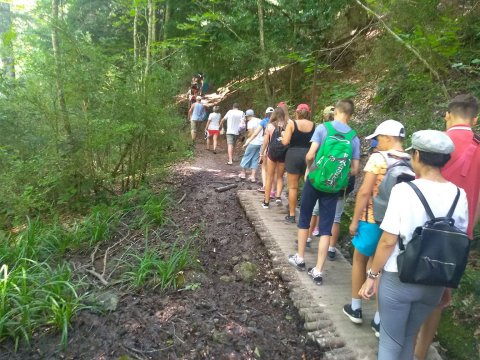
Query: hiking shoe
[[331, 255], [375, 328], [290, 219], [354, 315], [261, 190], [316, 231], [272, 194], [315, 275], [265, 205], [278, 201], [293, 260]]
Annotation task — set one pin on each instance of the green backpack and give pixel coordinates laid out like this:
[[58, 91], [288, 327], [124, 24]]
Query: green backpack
[[333, 161]]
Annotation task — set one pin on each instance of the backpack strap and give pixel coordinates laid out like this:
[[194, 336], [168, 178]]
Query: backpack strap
[[454, 205], [423, 200], [295, 125], [332, 131]]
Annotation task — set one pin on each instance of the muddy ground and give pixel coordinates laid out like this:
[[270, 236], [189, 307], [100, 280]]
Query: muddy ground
[[220, 319]]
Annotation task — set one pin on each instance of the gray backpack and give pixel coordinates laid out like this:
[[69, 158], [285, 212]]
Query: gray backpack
[[398, 170]]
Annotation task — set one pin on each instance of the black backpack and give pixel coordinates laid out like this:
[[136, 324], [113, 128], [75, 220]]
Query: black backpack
[[438, 252], [276, 150]]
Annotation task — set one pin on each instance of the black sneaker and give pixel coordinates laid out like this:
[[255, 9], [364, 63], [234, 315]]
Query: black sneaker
[[331, 255], [290, 219], [292, 259], [265, 205], [317, 279], [354, 315], [278, 201], [375, 328]]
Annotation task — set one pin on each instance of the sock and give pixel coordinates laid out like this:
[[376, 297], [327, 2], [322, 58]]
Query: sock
[[299, 259], [316, 272], [332, 248], [376, 319], [309, 239], [356, 304]]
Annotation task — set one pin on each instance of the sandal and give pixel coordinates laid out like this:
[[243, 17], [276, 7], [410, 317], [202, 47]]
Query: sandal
[[229, 163], [252, 180], [241, 177]]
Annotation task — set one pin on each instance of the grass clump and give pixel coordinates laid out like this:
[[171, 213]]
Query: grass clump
[[158, 268], [34, 295]]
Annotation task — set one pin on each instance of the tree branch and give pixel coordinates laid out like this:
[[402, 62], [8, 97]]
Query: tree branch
[[435, 74]]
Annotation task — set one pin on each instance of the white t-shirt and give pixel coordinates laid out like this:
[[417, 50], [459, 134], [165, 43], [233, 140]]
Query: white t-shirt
[[252, 124], [214, 121], [405, 211], [234, 118]]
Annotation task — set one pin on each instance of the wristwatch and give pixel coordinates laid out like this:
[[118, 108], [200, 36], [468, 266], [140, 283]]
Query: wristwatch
[[372, 275]]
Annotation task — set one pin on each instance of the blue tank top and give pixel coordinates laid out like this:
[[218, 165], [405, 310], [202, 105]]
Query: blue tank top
[[197, 113]]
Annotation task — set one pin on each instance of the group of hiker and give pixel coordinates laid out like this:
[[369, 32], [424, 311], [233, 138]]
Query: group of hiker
[[434, 185]]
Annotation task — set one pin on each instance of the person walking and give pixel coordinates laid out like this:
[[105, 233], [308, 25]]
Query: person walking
[[463, 170], [297, 137], [234, 119], [275, 155], [364, 226], [196, 115], [252, 153], [325, 138], [213, 127], [404, 306]]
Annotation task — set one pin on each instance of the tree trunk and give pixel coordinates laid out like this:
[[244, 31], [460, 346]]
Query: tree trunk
[[313, 99], [150, 34], [135, 32], [58, 70], [166, 21], [7, 54], [268, 92]]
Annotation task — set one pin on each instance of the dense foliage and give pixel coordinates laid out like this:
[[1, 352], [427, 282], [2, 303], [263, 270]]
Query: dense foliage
[[88, 107]]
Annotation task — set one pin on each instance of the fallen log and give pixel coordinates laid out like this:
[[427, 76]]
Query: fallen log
[[225, 188]]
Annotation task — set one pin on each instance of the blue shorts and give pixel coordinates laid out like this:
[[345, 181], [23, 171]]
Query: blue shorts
[[367, 238], [251, 157], [327, 205]]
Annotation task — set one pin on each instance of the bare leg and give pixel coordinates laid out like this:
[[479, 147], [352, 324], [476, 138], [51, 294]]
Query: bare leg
[[208, 143], [302, 241], [335, 234], [253, 174], [264, 171], [271, 167], [427, 333], [215, 142], [313, 225], [359, 265], [322, 251], [292, 193], [280, 171], [230, 152]]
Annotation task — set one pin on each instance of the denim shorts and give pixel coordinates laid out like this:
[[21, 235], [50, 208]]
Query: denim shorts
[[338, 210], [251, 157]]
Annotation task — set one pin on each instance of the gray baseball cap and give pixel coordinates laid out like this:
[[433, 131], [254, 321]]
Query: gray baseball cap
[[432, 141], [249, 112]]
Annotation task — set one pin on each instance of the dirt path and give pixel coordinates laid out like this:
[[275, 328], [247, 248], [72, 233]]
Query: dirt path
[[223, 318]]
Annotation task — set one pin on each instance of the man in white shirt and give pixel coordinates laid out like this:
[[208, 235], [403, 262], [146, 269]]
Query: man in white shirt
[[235, 119]]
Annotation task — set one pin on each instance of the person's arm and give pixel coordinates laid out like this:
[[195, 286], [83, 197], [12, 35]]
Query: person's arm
[[208, 121], [361, 201], [385, 247], [354, 167], [190, 112], [266, 139], [310, 157], [254, 135], [287, 135]]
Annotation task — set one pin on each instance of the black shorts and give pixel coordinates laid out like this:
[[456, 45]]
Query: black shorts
[[295, 161]]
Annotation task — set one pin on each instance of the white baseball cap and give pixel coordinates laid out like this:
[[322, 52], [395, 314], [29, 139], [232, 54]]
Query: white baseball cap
[[389, 128], [198, 98], [269, 110]]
